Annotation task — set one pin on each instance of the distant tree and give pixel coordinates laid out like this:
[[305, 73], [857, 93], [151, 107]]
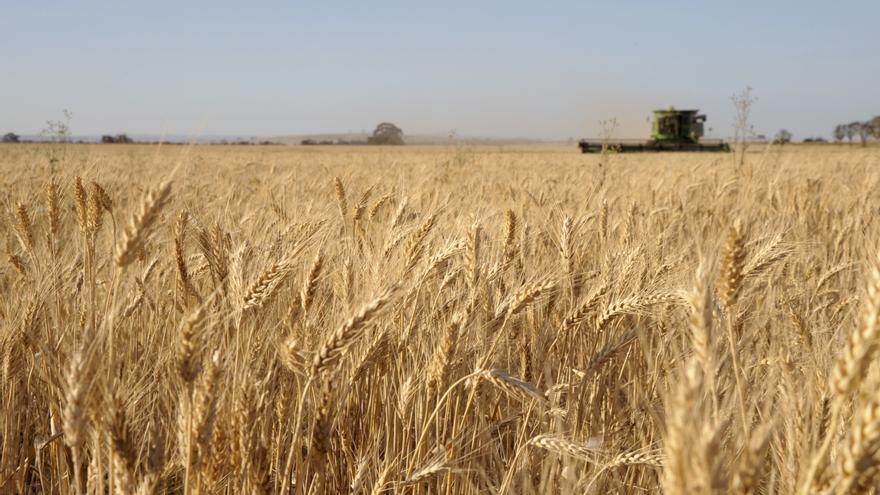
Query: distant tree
[[875, 127], [863, 129], [386, 133], [10, 137], [839, 132], [782, 137], [851, 130]]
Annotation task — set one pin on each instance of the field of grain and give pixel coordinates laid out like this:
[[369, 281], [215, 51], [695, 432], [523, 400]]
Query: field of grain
[[438, 320]]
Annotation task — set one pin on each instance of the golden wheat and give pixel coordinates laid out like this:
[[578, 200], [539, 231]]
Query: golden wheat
[[479, 321]]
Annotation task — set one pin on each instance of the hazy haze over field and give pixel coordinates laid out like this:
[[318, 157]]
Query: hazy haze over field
[[506, 69]]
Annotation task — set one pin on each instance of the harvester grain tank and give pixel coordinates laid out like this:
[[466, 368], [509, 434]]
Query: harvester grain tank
[[671, 130]]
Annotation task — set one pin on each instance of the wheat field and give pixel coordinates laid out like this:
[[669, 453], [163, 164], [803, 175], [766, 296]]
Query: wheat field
[[438, 320]]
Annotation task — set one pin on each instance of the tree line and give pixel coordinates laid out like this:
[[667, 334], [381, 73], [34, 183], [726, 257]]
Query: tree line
[[11, 137], [385, 133], [863, 130]]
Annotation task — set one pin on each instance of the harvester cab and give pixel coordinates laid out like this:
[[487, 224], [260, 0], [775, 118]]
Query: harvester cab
[[677, 125], [671, 130]]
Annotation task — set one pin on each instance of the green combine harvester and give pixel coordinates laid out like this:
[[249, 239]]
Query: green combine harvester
[[672, 130]]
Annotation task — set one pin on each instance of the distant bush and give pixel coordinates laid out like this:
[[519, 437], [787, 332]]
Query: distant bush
[[117, 139], [782, 137], [244, 142], [328, 142]]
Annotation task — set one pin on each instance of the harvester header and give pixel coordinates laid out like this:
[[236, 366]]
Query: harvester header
[[671, 130]]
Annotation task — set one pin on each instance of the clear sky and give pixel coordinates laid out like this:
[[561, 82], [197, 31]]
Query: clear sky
[[491, 68]]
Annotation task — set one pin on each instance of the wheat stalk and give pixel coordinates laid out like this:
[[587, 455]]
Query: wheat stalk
[[138, 229], [349, 332]]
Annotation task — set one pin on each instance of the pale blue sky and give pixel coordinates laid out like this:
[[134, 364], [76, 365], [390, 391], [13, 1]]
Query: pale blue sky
[[499, 68]]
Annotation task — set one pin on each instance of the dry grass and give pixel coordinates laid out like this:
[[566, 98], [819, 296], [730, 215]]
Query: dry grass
[[436, 320]]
